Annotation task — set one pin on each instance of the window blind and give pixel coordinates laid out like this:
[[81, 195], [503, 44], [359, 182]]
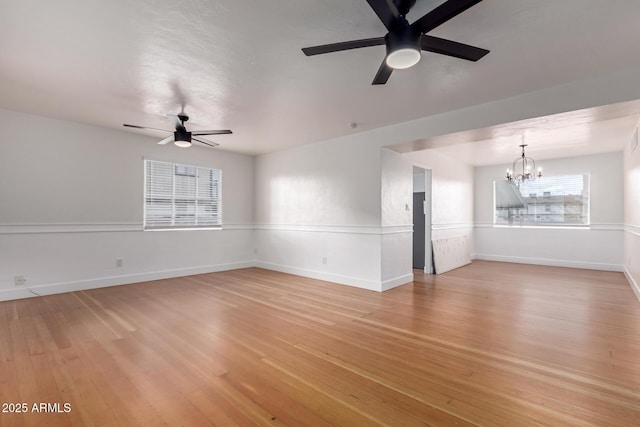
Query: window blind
[[551, 200], [181, 196]]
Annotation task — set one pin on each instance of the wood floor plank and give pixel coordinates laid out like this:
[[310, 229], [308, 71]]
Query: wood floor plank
[[489, 344]]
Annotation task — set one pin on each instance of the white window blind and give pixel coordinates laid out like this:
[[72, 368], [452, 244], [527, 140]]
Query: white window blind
[[181, 196], [549, 201]]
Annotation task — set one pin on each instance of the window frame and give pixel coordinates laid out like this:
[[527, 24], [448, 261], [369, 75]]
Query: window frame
[[543, 196], [185, 200]]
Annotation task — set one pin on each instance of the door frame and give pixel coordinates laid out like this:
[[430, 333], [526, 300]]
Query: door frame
[[427, 209]]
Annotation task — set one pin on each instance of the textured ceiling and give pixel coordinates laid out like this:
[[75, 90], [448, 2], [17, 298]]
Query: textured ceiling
[[584, 132], [237, 63]]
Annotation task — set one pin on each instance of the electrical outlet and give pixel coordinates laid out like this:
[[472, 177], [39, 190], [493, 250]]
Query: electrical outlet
[[20, 280], [118, 263], [324, 260]]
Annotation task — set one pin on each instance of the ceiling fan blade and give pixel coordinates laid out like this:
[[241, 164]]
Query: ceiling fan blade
[[442, 14], [337, 47], [144, 127], [205, 141], [166, 140], [451, 48], [211, 132], [384, 72], [386, 11]]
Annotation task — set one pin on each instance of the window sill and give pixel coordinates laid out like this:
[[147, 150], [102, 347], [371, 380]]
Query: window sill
[[546, 227], [185, 229]]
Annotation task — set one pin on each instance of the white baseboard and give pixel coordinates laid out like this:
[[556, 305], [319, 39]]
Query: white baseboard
[[321, 275], [550, 262], [634, 285], [398, 281], [102, 282]]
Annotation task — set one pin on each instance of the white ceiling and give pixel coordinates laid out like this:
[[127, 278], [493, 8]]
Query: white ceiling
[[594, 138], [584, 132], [238, 64]]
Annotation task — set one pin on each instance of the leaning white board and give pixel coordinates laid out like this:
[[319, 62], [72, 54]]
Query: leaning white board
[[450, 253]]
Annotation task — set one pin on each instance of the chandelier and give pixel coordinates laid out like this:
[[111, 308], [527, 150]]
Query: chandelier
[[526, 165]]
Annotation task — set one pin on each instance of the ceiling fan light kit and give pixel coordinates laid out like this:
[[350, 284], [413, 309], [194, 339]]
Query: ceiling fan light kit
[[182, 143], [403, 49], [401, 59], [404, 41]]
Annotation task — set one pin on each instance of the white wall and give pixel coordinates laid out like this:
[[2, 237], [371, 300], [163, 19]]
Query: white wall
[[72, 202], [327, 183], [419, 182], [452, 193], [318, 212], [632, 216], [451, 203], [397, 219], [598, 247], [317, 201], [296, 232]]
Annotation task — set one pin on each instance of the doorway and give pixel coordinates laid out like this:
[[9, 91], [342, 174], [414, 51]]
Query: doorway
[[422, 255]]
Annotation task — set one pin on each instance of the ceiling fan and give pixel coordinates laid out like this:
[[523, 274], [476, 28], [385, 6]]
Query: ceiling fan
[[404, 41], [183, 138]]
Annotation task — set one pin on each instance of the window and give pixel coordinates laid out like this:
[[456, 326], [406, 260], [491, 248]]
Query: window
[[181, 196], [564, 201]]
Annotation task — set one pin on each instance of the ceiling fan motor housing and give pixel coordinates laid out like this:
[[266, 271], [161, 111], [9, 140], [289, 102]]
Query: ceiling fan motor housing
[[182, 137], [403, 47]]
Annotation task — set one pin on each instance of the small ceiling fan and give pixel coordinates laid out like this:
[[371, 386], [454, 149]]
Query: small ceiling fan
[[404, 41], [183, 138]]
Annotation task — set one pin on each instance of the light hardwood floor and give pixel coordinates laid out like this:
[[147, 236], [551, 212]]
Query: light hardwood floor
[[489, 344]]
